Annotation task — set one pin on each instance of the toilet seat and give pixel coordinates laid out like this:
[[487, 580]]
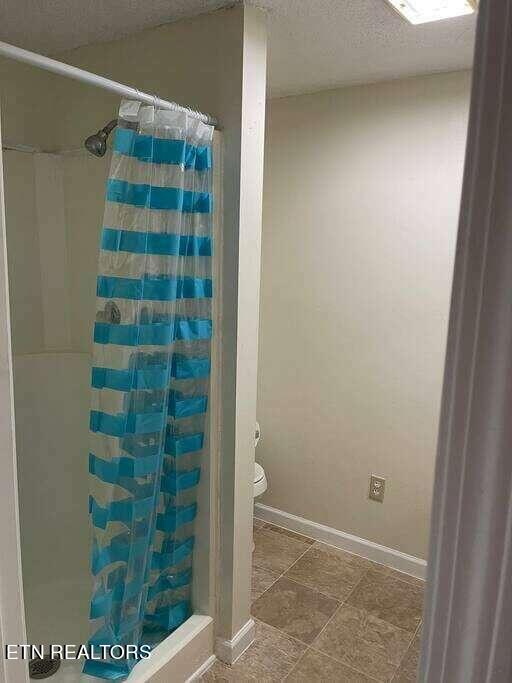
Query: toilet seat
[[259, 472], [260, 480]]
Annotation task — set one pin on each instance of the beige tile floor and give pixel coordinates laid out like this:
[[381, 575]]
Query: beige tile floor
[[325, 615]]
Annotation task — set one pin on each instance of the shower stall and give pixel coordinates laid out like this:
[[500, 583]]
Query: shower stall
[[58, 489], [55, 225]]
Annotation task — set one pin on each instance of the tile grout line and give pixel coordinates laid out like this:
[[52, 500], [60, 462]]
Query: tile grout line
[[286, 570], [349, 666], [294, 537], [340, 606], [392, 574], [389, 571], [407, 651], [304, 585], [329, 595], [316, 590], [286, 635], [281, 633], [283, 680], [310, 646], [343, 604], [280, 575], [268, 588], [268, 526]]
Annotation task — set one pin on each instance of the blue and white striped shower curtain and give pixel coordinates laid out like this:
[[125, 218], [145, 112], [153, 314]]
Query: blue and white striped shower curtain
[[150, 378]]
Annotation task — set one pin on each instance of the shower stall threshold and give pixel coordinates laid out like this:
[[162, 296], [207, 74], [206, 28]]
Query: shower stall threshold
[[180, 655], [175, 659]]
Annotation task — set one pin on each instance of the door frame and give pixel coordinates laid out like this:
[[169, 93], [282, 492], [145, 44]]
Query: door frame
[[468, 607]]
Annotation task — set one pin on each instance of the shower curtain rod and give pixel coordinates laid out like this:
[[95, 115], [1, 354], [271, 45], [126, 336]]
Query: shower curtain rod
[[42, 62]]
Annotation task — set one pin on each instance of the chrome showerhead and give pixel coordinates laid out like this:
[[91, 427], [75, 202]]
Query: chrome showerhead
[[97, 144]]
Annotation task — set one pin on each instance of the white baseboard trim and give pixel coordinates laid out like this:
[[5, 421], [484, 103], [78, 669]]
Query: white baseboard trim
[[340, 539], [228, 651], [202, 669]]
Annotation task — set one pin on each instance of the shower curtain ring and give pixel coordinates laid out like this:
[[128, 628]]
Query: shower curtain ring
[[155, 100]]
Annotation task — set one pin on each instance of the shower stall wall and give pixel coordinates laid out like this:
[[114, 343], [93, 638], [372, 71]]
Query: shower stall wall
[[51, 233]]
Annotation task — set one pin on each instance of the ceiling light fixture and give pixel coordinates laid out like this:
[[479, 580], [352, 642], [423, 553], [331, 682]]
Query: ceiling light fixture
[[423, 11]]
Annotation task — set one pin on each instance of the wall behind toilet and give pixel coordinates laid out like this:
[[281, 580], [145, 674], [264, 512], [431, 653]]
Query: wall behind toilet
[[361, 200]]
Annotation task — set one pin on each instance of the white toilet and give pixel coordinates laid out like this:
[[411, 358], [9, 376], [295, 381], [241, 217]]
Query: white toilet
[[260, 478]]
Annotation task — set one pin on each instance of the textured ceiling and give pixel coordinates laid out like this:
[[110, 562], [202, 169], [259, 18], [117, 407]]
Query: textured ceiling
[[51, 25], [316, 44], [313, 44]]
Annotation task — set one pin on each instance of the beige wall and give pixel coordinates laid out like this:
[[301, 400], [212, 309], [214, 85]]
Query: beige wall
[[361, 198]]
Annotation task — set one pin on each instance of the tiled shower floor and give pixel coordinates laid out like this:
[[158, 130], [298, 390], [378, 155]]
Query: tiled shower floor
[[325, 615]]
